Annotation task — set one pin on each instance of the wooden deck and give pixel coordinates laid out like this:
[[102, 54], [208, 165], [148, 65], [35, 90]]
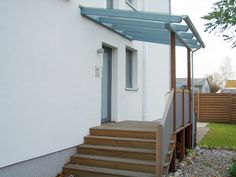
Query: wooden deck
[[146, 126], [116, 149], [124, 149]]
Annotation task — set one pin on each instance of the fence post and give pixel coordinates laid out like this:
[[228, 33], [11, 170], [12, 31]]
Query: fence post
[[230, 108]]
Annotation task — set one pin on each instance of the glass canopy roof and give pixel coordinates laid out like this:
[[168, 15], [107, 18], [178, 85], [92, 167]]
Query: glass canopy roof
[[147, 26]]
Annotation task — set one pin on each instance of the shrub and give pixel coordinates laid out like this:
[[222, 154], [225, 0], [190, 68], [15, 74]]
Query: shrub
[[232, 169]]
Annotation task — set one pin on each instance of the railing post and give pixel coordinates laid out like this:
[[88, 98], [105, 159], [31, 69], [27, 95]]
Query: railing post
[[159, 146], [182, 133], [191, 103], [173, 86], [173, 75], [198, 106], [183, 107]]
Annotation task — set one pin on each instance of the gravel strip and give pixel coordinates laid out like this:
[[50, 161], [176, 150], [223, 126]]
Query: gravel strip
[[207, 163]]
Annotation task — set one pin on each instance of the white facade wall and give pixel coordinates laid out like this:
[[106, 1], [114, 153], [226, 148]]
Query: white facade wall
[[156, 70], [49, 95]]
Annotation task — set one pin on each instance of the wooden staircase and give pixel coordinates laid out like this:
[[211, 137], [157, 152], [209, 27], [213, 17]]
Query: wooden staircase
[[124, 149], [169, 155]]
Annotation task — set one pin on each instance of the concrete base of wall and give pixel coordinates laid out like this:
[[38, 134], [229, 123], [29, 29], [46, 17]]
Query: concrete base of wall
[[45, 166]]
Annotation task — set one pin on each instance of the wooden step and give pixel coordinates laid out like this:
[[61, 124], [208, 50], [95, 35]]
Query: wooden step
[[121, 142], [169, 156], [115, 163], [145, 134], [166, 166], [122, 152], [88, 171]]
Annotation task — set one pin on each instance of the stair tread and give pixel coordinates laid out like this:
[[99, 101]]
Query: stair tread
[[142, 150], [166, 164], [130, 129], [140, 126], [117, 159], [121, 138], [108, 171]]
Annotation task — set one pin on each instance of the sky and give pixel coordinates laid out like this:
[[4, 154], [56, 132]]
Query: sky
[[208, 60]]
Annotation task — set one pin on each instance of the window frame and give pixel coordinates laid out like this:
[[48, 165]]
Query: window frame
[[109, 4], [129, 68]]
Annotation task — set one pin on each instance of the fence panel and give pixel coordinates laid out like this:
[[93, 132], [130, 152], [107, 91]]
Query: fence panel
[[215, 107], [233, 108]]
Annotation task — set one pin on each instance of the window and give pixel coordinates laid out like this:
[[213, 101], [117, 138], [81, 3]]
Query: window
[[129, 68], [109, 4], [130, 1]]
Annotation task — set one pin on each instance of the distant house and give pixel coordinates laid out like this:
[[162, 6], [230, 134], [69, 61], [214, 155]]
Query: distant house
[[230, 84], [201, 85], [230, 87]]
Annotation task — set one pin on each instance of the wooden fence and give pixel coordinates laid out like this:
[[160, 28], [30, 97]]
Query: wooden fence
[[215, 107]]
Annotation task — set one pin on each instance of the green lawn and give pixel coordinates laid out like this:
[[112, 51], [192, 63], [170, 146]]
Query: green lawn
[[220, 135]]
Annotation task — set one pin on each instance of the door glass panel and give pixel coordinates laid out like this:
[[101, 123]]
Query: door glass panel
[[106, 86]]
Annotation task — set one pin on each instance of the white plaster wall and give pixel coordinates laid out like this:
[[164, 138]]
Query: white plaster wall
[[130, 101], [156, 69], [49, 96], [162, 6], [156, 80]]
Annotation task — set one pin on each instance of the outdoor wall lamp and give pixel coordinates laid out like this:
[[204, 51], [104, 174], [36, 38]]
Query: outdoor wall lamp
[[100, 51]]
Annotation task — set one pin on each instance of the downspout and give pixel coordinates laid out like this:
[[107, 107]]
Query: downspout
[[196, 34], [193, 114]]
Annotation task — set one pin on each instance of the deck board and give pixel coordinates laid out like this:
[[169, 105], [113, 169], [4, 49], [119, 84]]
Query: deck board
[[146, 126]]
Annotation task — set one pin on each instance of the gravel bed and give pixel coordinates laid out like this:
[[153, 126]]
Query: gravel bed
[[205, 163]]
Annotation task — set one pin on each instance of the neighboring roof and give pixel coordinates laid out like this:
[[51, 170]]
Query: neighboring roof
[[227, 90], [196, 81], [147, 26], [230, 84]]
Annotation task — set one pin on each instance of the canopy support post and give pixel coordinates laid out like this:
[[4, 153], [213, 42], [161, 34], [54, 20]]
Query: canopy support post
[[173, 86]]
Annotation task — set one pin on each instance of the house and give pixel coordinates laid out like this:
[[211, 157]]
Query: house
[[201, 85], [69, 65], [230, 87], [230, 84]]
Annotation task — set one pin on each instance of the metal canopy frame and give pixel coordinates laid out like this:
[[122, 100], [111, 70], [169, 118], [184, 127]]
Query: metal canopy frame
[[157, 28], [147, 26]]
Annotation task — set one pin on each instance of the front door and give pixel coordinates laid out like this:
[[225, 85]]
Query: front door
[[106, 85]]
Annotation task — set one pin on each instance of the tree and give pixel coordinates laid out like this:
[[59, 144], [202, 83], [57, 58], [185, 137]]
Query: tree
[[226, 70], [214, 81], [218, 79], [222, 20]]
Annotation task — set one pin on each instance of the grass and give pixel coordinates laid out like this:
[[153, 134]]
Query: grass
[[220, 135]]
